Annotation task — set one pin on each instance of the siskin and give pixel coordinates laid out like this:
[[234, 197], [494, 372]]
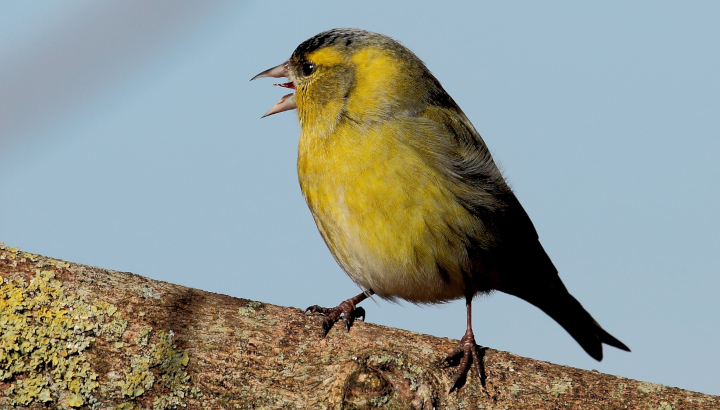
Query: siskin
[[405, 192]]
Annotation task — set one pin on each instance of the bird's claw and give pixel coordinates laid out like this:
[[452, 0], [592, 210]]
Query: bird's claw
[[468, 353], [345, 311]]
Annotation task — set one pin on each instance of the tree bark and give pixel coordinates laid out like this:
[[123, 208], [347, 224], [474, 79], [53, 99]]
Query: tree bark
[[76, 336]]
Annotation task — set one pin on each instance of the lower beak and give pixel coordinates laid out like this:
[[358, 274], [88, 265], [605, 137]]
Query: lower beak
[[287, 102]]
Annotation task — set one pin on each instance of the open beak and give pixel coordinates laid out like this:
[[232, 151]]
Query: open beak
[[287, 102]]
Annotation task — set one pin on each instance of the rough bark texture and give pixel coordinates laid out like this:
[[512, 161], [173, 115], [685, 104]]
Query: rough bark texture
[[76, 336]]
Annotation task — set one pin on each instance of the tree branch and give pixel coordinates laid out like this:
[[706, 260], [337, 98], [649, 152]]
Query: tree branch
[[80, 336]]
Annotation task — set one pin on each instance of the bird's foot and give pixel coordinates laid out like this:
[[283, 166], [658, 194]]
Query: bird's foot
[[346, 310], [468, 353]]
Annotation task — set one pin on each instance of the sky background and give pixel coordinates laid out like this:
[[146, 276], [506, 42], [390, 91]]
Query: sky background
[[131, 139]]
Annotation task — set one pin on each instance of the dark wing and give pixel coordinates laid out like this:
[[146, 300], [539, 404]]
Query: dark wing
[[507, 247]]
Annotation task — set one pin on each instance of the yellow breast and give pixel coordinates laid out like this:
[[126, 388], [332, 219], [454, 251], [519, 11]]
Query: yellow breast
[[383, 212]]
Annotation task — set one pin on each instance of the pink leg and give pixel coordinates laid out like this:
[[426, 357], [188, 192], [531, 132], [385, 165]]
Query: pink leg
[[346, 310], [468, 353]]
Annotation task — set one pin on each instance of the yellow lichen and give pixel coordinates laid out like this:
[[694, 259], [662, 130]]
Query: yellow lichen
[[170, 363], [650, 388], [144, 337], [560, 386], [384, 359], [14, 255], [44, 336], [114, 330], [139, 379], [75, 400]]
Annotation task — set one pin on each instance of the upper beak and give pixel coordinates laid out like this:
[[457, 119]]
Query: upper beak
[[288, 101], [275, 72]]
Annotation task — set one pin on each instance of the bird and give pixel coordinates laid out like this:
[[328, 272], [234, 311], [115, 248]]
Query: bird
[[405, 193]]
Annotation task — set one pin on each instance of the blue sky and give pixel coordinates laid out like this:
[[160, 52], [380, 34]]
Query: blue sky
[[131, 139]]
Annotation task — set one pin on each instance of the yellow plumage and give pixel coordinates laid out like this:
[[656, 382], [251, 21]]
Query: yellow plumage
[[386, 215], [373, 198], [405, 192]]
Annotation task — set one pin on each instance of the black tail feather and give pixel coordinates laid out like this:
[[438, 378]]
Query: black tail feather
[[608, 339], [569, 313]]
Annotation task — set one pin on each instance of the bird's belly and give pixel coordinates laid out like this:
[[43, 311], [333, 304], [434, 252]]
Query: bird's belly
[[387, 220]]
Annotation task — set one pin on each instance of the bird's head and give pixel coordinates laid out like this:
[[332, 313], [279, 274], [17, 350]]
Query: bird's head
[[351, 72]]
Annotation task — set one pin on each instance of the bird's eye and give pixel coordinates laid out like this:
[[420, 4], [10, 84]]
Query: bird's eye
[[307, 68]]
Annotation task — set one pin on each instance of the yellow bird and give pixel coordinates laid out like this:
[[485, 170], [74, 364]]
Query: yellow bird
[[405, 192]]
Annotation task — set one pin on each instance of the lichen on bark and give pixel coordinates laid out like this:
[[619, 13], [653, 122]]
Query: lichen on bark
[[76, 336]]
